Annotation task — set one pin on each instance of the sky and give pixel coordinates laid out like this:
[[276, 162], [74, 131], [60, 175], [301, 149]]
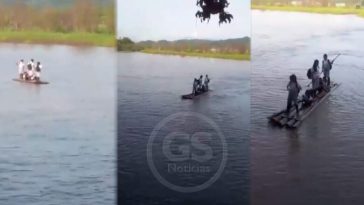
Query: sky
[[175, 19]]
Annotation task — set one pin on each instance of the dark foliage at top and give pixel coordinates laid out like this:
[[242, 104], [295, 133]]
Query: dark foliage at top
[[212, 7]]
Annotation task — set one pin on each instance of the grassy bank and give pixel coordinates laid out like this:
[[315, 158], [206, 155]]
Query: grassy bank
[[72, 38], [230, 56], [320, 10]]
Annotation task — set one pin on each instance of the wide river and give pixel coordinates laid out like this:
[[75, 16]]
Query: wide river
[[149, 93], [322, 162], [58, 140]]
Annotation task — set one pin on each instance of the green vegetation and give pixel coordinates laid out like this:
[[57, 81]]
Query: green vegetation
[[312, 9], [74, 38], [309, 3], [82, 22], [231, 56], [234, 49], [54, 3], [126, 44]]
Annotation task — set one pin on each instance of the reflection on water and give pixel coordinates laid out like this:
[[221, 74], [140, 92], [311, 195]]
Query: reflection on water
[[149, 90], [322, 161], [57, 140]]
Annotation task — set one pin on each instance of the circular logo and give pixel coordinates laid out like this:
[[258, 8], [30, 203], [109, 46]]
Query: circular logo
[[187, 152]]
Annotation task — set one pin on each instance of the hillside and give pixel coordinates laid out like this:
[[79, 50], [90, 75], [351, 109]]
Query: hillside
[[241, 45], [238, 48]]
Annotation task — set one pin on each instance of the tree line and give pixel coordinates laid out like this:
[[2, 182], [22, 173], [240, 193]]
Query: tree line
[[309, 2], [241, 45], [82, 16]]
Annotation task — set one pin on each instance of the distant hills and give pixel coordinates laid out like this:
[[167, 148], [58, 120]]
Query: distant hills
[[236, 49], [236, 44], [54, 3]]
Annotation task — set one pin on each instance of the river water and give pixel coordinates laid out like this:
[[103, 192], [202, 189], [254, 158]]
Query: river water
[[57, 140], [149, 90], [322, 162]]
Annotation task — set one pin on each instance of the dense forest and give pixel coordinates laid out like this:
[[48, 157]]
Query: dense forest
[[93, 16], [238, 45]]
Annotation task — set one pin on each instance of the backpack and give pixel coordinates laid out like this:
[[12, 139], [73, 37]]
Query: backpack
[[309, 73]]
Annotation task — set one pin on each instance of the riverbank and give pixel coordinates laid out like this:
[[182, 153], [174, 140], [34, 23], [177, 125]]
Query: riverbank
[[45, 37], [320, 10], [228, 56]]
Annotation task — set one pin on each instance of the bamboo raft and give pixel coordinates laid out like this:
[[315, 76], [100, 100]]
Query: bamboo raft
[[193, 96], [36, 82], [292, 121]]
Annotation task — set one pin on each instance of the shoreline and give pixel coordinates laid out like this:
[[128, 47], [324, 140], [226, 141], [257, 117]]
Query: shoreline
[[48, 37], [313, 9], [240, 57]]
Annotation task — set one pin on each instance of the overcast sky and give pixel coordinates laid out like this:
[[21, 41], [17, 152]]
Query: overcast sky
[[175, 19]]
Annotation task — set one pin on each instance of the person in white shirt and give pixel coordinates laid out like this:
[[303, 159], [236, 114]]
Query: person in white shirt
[[30, 73], [21, 68], [327, 66]]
